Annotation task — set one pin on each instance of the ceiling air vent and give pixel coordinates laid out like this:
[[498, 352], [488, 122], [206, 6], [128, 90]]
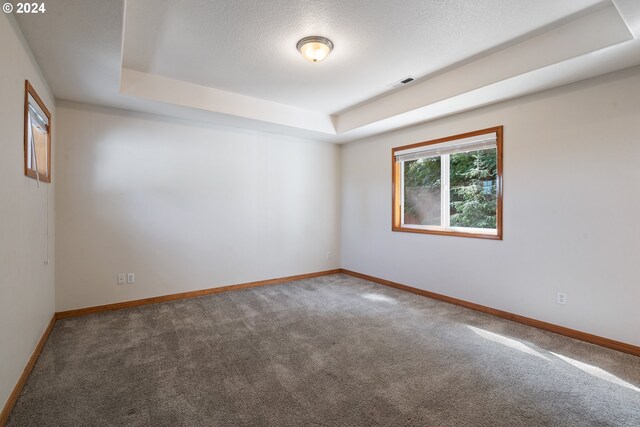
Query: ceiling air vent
[[401, 82]]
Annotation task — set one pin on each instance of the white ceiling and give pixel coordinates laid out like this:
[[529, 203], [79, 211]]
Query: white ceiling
[[77, 44], [248, 46], [234, 62]]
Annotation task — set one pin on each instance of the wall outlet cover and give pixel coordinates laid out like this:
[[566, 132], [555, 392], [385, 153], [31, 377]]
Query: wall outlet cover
[[561, 298]]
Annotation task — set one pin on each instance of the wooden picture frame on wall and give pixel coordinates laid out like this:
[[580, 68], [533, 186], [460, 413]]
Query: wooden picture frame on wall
[[34, 109]]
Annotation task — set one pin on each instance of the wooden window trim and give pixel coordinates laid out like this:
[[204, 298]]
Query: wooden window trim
[[29, 90], [396, 191]]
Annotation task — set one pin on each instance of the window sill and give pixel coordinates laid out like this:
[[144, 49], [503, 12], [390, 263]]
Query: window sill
[[41, 177], [477, 235]]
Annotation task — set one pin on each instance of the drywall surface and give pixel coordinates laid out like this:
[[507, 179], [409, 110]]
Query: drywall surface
[[571, 203], [26, 283], [186, 206]]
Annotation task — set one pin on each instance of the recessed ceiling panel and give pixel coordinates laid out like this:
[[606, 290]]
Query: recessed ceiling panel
[[249, 46]]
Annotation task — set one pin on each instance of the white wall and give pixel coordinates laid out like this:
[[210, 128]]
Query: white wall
[[571, 211], [26, 283], [186, 206]]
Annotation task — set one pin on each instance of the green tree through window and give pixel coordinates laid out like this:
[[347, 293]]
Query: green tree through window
[[473, 189], [449, 186], [422, 191]]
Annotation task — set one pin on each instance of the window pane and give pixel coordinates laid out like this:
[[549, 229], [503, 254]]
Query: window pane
[[40, 143], [37, 138], [422, 191], [474, 189]]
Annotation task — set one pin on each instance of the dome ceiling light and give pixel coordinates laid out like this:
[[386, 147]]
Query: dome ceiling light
[[315, 48]]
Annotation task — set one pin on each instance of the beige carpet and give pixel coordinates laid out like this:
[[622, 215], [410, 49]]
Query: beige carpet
[[331, 351]]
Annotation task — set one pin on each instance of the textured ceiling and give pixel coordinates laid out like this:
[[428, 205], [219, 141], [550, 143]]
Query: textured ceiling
[[77, 43], [234, 62], [248, 46]]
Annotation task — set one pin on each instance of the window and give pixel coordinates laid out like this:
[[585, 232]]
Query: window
[[450, 186], [37, 136]]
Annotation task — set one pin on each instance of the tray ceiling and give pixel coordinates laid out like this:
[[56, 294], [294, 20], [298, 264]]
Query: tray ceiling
[[235, 63]]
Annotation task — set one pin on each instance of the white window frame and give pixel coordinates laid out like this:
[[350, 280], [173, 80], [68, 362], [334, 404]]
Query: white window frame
[[445, 200]]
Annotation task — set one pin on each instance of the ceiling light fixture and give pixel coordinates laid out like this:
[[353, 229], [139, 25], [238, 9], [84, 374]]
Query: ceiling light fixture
[[315, 48]]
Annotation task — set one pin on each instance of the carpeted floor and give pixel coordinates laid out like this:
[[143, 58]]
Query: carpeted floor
[[331, 351]]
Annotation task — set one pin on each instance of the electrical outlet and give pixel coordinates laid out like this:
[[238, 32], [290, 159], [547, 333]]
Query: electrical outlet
[[561, 298], [122, 279], [131, 278], [329, 254]]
